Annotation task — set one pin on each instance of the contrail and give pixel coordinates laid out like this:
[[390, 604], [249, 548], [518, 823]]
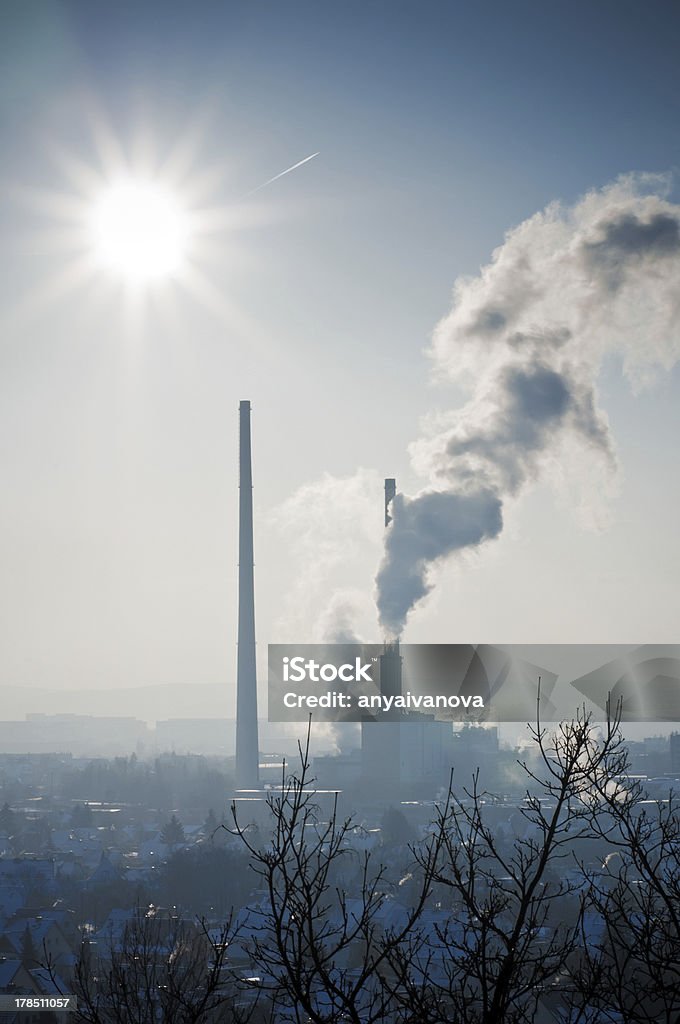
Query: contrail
[[280, 175]]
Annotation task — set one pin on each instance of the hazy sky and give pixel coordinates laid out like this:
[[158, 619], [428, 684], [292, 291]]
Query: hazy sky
[[440, 127]]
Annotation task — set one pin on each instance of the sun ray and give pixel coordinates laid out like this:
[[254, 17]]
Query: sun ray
[[62, 206], [210, 297], [139, 228], [107, 145], [179, 166], [71, 277], [78, 173]]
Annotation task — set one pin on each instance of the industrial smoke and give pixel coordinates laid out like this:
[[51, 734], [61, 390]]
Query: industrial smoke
[[526, 338]]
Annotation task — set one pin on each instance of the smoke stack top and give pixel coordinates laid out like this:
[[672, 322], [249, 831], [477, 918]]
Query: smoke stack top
[[527, 338], [390, 491]]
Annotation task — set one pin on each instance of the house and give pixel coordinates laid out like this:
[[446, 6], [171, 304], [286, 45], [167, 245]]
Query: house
[[105, 873], [14, 977], [49, 943]]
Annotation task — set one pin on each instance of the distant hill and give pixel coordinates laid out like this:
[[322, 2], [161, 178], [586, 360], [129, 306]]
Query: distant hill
[[149, 703]]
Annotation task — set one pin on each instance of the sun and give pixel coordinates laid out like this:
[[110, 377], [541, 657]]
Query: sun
[[141, 226], [139, 230]]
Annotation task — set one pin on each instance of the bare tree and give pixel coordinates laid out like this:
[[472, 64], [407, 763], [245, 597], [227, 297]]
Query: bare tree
[[162, 969], [513, 910], [324, 955], [571, 914], [631, 970]]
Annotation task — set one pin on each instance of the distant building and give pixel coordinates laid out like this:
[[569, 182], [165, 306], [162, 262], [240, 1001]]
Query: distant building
[[343, 770], [74, 734], [675, 752], [476, 748], [46, 936], [105, 873], [196, 735], [402, 753]]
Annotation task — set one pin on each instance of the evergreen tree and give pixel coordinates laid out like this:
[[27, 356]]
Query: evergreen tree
[[172, 832], [29, 956], [397, 830]]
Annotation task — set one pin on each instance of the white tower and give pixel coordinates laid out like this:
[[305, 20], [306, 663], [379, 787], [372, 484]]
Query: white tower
[[247, 752]]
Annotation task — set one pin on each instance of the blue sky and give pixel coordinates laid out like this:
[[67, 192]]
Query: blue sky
[[440, 126]]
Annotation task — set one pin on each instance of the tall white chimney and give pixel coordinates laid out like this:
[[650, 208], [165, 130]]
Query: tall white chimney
[[247, 751]]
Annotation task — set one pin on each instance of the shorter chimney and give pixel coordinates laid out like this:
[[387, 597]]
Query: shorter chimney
[[390, 491]]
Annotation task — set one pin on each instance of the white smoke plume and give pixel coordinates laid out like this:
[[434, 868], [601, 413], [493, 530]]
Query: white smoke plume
[[527, 337], [332, 530], [337, 621]]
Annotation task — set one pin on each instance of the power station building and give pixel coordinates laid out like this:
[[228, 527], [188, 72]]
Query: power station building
[[404, 752]]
